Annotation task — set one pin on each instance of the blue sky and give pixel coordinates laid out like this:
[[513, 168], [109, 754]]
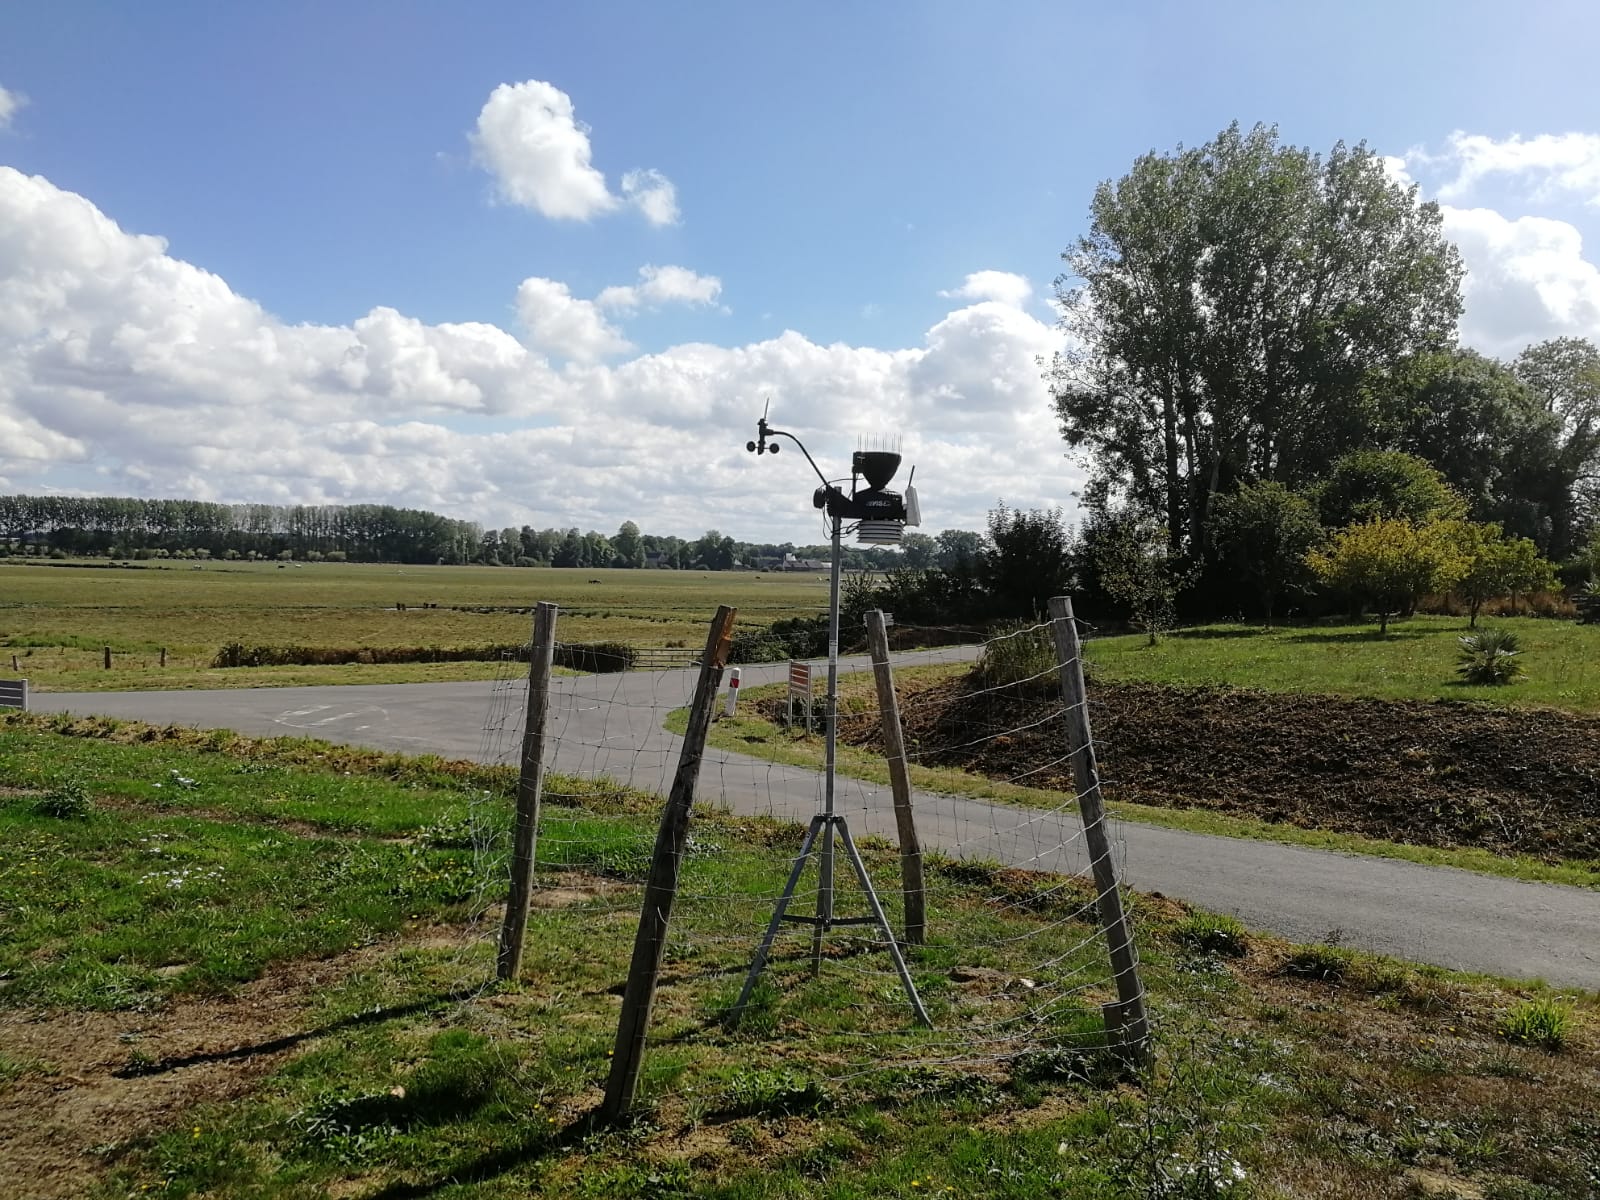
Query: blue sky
[[332, 191]]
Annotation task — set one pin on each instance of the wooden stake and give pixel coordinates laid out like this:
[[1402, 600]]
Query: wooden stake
[[1127, 1022], [530, 786], [163, 656], [108, 658], [894, 748], [661, 888]]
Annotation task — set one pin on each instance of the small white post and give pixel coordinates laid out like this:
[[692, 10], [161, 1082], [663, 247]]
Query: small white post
[[733, 691]]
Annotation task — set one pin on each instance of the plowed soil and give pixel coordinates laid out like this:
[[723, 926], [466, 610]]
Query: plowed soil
[[1511, 781]]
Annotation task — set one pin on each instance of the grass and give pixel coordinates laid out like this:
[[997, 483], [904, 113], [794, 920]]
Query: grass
[[58, 619], [1416, 661], [749, 734], [395, 1070]]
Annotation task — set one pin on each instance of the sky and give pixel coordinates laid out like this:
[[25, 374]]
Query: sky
[[528, 263]]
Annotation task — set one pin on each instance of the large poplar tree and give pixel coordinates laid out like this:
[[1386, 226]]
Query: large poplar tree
[[1225, 308]]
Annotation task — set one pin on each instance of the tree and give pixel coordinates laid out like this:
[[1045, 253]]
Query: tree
[[1385, 483], [1027, 559], [917, 550], [1264, 532], [628, 545], [1475, 422], [1225, 309], [1564, 374], [1391, 561], [959, 550], [1136, 565]]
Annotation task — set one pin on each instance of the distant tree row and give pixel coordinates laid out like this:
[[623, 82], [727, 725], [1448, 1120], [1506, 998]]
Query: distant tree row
[[133, 528]]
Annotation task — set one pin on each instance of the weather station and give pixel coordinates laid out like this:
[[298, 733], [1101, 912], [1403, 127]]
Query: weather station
[[879, 517]]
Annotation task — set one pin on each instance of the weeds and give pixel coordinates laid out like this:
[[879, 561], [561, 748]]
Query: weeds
[[1543, 1022], [68, 802], [1212, 933]]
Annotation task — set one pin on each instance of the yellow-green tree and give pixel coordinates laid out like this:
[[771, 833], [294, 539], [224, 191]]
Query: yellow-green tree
[[1495, 565], [1391, 562]]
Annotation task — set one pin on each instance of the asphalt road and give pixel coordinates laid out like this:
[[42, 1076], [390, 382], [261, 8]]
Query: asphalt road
[[611, 725]]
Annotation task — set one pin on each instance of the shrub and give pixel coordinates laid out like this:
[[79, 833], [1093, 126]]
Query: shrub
[[1588, 603], [1489, 657], [601, 658], [1541, 1022], [1018, 653]]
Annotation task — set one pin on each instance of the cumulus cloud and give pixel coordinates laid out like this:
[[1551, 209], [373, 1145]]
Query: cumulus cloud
[[557, 321], [653, 194], [124, 370], [1551, 164], [1001, 286], [662, 285], [529, 139], [1527, 280], [10, 102]]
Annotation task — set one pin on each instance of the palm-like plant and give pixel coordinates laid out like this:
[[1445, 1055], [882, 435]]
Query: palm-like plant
[[1490, 656], [1588, 601]]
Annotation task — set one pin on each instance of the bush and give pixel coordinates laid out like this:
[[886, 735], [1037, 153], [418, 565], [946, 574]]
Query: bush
[[1018, 653], [1542, 1022], [1489, 657], [237, 654], [600, 658]]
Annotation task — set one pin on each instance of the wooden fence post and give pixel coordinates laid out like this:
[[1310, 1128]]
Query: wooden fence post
[[661, 888], [108, 658], [894, 749], [530, 786], [1127, 1022], [163, 656]]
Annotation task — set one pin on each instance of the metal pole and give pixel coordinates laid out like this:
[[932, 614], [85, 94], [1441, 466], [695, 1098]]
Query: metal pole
[[830, 710]]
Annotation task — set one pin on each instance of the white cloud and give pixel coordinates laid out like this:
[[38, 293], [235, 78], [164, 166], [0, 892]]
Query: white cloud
[[529, 139], [1527, 280], [557, 321], [662, 285], [1002, 286], [124, 370], [1552, 164], [1395, 168], [10, 102], [653, 194]]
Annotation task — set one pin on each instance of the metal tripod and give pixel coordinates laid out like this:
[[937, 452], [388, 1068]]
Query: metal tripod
[[823, 827]]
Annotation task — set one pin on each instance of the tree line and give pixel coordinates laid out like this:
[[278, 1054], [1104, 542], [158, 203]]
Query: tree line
[[128, 527]]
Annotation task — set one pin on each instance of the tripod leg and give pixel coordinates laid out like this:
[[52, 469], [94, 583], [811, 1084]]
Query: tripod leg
[[824, 897], [760, 962], [883, 923]]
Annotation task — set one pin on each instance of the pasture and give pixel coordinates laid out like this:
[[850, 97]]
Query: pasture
[[57, 619]]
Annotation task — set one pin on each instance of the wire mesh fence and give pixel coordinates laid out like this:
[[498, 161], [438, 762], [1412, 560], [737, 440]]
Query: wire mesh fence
[[1013, 972]]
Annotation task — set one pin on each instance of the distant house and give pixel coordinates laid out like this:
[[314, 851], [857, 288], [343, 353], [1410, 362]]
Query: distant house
[[655, 560], [791, 563]]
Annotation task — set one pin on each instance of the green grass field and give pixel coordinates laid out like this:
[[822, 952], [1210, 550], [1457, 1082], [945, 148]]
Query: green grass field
[[307, 1012], [57, 620], [1416, 661]]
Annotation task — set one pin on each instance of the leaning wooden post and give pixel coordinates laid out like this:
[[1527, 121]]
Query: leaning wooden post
[[661, 887], [530, 786], [1127, 1022], [894, 749]]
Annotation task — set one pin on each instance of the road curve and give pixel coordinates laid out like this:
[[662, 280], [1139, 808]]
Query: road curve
[[611, 725]]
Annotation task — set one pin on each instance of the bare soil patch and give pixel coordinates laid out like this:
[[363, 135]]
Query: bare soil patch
[[1511, 781]]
